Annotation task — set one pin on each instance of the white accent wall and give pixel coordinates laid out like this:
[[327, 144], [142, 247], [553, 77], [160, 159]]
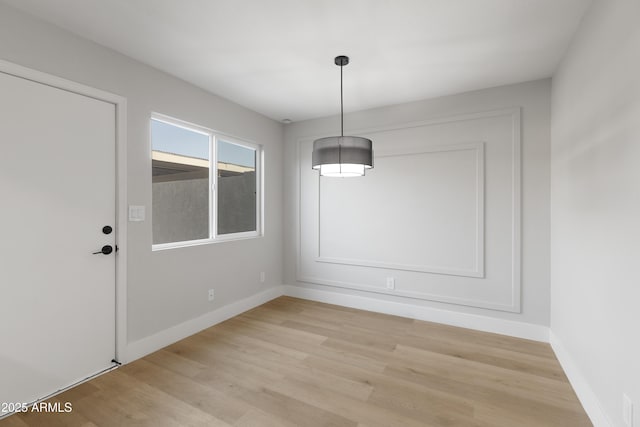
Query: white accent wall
[[165, 288], [456, 209], [595, 210]]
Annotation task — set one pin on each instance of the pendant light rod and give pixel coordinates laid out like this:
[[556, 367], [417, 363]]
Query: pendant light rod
[[341, 106], [341, 61], [341, 118]]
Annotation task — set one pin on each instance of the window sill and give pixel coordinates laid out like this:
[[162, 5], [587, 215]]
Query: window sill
[[220, 239]]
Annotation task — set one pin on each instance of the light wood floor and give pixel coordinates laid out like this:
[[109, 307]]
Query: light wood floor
[[293, 363]]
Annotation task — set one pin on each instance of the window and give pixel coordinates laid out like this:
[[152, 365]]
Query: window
[[236, 188], [206, 186]]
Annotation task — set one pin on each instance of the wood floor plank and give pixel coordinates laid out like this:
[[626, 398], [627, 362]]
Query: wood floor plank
[[503, 358], [349, 408], [480, 380], [193, 393], [293, 362], [176, 363], [254, 351], [399, 396], [364, 338], [14, 421], [313, 346], [125, 400], [258, 418], [282, 405], [435, 330]]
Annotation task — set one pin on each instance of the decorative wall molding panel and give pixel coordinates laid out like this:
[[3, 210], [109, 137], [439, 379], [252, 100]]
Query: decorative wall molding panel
[[439, 214], [447, 182]]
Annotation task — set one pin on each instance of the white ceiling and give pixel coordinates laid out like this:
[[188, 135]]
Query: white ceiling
[[276, 56]]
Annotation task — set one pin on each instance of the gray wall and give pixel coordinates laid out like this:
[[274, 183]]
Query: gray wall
[[237, 203], [595, 205], [421, 126], [180, 210], [165, 288]]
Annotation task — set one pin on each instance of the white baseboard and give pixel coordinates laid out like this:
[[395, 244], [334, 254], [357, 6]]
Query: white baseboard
[[585, 394], [148, 345], [471, 321]]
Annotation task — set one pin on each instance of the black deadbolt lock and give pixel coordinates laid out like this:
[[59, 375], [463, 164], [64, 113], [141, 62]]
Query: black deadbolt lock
[[107, 229]]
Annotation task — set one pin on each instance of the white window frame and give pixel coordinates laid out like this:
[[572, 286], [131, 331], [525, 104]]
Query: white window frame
[[214, 136]]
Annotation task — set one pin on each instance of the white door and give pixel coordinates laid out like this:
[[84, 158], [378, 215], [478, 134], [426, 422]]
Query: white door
[[57, 192]]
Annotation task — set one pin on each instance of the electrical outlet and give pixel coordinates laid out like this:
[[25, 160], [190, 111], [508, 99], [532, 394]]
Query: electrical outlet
[[211, 294], [627, 410], [263, 277], [391, 283]]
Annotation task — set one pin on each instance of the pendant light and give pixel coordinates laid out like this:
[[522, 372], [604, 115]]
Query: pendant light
[[342, 156]]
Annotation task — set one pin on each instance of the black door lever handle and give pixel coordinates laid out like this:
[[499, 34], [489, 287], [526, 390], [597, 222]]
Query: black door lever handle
[[106, 250]]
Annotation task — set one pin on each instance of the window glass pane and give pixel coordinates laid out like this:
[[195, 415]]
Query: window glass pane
[[180, 163], [236, 188]]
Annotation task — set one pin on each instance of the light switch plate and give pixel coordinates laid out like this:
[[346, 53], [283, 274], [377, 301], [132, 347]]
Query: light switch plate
[[136, 213]]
